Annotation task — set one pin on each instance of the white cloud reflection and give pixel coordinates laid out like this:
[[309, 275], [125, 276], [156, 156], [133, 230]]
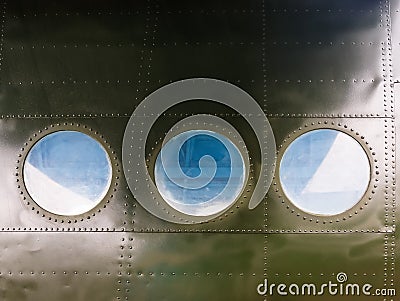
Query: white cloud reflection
[[53, 197], [67, 173], [325, 172]]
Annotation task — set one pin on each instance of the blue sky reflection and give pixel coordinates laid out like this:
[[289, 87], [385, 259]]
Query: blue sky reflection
[[67, 172], [206, 157], [325, 172]]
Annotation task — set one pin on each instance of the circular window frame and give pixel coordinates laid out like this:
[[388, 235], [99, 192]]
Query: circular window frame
[[359, 206], [185, 207], [221, 127], [178, 92], [30, 203]]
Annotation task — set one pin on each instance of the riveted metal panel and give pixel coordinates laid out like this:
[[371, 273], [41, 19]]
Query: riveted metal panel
[[310, 35], [197, 267], [19, 135], [86, 66], [393, 243], [61, 58], [318, 259], [369, 214], [37, 266], [395, 35]]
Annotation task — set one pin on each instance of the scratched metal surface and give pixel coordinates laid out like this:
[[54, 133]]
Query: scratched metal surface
[[87, 65]]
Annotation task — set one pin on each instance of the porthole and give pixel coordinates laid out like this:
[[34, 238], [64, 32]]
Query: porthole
[[324, 172], [199, 172], [67, 173], [144, 137]]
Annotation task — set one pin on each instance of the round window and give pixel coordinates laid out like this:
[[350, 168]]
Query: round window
[[325, 172], [67, 173], [199, 172]]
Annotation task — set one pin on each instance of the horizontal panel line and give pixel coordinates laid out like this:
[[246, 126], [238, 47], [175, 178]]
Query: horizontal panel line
[[227, 11], [143, 12], [228, 231], [135, 82], [127, 115], [116, 44]]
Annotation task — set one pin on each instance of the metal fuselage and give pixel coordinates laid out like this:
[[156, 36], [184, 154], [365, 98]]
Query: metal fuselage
[[126, 73]]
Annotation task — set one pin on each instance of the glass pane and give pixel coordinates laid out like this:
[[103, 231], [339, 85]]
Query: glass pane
[[199, 172], [67, 173], [325, 172]]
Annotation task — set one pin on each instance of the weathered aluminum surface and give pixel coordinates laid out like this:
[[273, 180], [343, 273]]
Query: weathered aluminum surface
[[86, 66]]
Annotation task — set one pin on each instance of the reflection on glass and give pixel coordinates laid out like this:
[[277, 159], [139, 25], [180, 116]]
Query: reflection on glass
[[199, 172], [67, 173], [325, 172]]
